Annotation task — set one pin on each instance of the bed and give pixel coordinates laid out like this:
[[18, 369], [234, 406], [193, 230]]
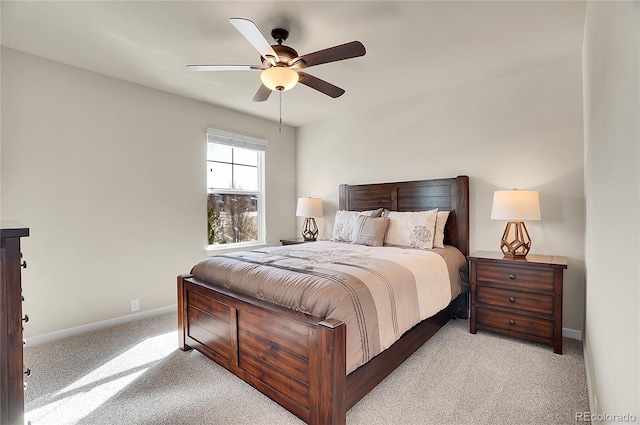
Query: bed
[[300, 360]]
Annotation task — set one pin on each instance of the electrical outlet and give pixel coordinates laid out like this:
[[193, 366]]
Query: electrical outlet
[[135, 305]]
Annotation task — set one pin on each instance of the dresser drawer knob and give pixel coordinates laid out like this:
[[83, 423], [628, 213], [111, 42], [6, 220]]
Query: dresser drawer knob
[[512, 276], [512, 322], [512, 299]]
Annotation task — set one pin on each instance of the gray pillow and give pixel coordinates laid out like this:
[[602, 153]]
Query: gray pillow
[[374, 213], [370, 231]]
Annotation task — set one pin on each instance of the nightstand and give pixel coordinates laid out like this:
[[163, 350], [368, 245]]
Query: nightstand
[[293, 241], [518, 297]]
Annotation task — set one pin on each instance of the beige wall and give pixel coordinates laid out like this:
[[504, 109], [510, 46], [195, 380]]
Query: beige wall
[[110, 178], [612, 185], [520, 130]]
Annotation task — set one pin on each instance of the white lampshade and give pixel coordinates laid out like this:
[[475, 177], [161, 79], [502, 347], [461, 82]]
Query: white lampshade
[[279, 76], [309, 207], [515, 205]]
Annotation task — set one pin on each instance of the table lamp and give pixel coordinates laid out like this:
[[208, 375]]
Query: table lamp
[[309, 208], [515, 206]]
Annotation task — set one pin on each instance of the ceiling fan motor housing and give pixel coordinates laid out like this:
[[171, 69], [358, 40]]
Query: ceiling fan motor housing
[[286, 55]]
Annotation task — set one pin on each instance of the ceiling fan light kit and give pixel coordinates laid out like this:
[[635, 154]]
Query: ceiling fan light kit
[[279, 78], [281, 64]]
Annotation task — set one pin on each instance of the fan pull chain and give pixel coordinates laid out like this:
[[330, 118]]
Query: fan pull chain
[[280, 125]]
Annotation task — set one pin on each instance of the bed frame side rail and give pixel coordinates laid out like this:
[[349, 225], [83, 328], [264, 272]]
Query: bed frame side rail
[[362, 380]]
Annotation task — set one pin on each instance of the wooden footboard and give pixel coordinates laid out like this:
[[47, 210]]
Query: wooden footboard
[[297, 360]]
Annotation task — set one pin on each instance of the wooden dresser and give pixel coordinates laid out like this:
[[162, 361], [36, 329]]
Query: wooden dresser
[[518, 297], [11, 320]]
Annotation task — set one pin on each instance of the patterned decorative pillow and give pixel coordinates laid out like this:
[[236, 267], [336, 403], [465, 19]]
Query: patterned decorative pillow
[[345, 223], [370, 231], [441, 222], [412, 229]]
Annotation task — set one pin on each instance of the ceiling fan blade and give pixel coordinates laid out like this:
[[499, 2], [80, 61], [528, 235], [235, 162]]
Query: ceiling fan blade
[[320, 85], [262, 94], [223, 68], [332, 54], [251, 32]]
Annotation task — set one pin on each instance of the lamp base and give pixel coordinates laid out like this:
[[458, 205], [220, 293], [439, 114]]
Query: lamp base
[[310, 229], [515, 242]]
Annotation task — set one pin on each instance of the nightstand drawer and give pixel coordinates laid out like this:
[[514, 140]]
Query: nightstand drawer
[[515, 323], [536, 303], [516, 276]]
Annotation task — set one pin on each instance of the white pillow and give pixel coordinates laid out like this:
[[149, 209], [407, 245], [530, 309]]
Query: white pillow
[[412, 229], [441, 221], [345, 223]]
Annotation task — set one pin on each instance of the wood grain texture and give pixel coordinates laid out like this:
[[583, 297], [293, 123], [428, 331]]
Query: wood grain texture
[[521, 277], [421, 195], [520, 298], [515, 323], [328, 371], [271, 348], [11, 355], [535, 303]]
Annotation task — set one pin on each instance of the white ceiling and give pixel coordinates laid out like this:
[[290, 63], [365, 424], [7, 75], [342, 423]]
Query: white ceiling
[[413, 48]]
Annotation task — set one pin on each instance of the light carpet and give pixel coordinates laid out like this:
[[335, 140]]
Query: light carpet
[[135, 374]]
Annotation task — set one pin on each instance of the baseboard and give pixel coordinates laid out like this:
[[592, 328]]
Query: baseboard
[[572, 333], [39, 339], [587, 370]]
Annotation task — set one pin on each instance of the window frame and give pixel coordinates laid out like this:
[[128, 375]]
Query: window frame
[[251, 143]]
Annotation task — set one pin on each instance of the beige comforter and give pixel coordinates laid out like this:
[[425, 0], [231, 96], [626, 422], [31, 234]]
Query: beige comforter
[[379, 292]]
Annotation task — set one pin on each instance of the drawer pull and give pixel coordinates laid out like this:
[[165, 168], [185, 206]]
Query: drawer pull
[[512, 276], [512, 322], [512, 299]]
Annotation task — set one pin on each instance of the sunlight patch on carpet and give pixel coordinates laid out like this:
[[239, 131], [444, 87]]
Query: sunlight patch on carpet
[[76, 401]]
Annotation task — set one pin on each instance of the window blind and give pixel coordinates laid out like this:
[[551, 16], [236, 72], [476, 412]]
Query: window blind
[[235, 140]]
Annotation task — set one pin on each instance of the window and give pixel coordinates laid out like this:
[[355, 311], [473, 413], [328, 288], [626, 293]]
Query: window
[[235, 188]]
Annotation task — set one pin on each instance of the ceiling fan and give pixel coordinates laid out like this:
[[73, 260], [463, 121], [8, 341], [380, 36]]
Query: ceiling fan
[[281, 65]]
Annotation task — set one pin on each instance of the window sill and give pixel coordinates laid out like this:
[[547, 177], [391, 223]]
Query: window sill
[[225, 249]]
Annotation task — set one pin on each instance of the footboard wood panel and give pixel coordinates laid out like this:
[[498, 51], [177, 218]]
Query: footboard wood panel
[[329, 401], [299, 361]]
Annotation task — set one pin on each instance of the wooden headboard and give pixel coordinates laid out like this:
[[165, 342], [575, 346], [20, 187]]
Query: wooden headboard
[[420, 195]]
